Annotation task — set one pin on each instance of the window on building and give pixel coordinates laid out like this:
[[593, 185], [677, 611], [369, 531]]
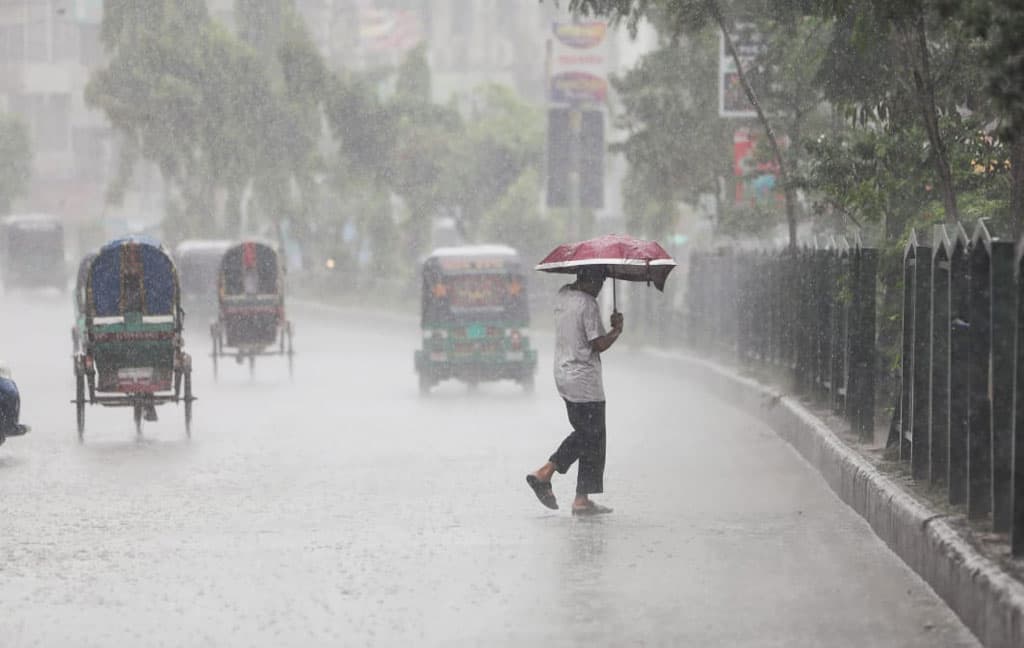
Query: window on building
[[48, 117], [65, 41], [90, 47], [37, 32], [12, 43]]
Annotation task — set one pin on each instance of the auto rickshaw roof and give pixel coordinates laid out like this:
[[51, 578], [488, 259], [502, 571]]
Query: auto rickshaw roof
[[202, 245], [469, 258], [34, 221]]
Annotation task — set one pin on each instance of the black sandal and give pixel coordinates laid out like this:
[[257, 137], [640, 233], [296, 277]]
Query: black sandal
[[591, 509], [542, 489]]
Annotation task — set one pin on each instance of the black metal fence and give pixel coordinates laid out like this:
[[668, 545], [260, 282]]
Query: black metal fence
[[962, 395], [811, 313]]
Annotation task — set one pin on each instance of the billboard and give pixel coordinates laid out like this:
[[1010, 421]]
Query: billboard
[[389, 30], [578, 62], [749, 44], [589, 158], [755, 176]]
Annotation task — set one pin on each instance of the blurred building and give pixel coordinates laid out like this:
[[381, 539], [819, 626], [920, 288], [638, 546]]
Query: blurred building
[[469, 42], [47, 51]]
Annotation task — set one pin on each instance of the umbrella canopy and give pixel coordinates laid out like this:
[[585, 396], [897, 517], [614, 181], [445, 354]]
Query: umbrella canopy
[[623, 257]]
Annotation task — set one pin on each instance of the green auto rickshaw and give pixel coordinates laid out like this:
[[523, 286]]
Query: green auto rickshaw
[[474, 318]]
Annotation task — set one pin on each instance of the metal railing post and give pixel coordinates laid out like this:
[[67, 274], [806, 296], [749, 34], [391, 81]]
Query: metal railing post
[[939, 386], [959, 363], [921, 413], [907, 348], [1003, 314], [1017, 476], [861, 388], [979, 412]]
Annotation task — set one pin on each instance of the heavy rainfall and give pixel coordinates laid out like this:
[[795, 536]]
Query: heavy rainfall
[[492, 322]]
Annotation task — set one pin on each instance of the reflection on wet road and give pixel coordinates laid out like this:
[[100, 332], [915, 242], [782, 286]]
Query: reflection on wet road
[[344, 509]]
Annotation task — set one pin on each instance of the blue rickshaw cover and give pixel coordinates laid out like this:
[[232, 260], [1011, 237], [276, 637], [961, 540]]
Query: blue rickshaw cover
[[133, 259]]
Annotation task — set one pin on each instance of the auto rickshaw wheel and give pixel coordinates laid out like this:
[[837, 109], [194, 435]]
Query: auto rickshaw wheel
[[137, 416], [252, 365], [425, 384], [80, 403], [188, 403], [290, 351], [215, 341]]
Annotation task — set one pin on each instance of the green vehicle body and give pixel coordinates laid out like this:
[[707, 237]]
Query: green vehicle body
[[475, 318]]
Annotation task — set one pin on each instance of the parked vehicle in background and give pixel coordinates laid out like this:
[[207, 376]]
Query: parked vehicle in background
[[474, 318], [198, 263], [32, 252]]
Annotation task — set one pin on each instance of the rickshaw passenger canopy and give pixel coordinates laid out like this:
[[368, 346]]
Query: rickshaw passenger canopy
[[133, 275], [250, 268]]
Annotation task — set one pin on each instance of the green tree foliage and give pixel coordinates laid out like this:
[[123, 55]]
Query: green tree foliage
[[189, 96], [437, 161], [502, 139], [680, 17], [677, 146], [517, 219], [15, 160]]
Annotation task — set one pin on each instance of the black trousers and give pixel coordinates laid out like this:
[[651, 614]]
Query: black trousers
[[587, 444]]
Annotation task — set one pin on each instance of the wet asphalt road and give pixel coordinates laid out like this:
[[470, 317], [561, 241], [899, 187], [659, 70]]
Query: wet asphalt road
[[343, 509]]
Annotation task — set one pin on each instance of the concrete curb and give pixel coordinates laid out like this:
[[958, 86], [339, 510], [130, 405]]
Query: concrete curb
[[987, 600]]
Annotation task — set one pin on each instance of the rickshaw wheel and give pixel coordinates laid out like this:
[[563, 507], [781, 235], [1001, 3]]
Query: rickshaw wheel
[[425, 384], [80, 404], [252, 365], [188, 404], [137, 416]]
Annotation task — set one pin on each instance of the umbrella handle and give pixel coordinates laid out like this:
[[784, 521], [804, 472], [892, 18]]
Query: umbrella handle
[[615, 300]]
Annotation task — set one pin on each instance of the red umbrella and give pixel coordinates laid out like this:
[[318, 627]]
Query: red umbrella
[[623, 257]]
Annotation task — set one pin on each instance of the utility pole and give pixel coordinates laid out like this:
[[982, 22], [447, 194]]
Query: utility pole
[[575, 129]]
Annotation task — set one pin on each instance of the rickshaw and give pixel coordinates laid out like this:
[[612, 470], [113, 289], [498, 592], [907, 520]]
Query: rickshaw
[[251, 320], [130, 351], [198, 263], [32, 252], [474, 318]]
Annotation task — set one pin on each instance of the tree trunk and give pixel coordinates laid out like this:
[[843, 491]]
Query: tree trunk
[[787, 187], [924, 91]]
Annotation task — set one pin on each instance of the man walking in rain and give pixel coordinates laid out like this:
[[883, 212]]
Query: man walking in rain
[[580, 339]]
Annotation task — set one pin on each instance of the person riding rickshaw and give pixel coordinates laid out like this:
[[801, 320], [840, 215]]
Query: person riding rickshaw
[[130, 351], [251, 320], [474, 318]]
